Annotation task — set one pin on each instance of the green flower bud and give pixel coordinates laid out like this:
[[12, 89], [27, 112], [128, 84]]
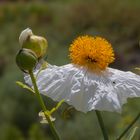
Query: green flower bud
[[35, 43], [26, 59]]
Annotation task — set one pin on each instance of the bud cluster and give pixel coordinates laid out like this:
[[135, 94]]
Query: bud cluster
[[33, 48]]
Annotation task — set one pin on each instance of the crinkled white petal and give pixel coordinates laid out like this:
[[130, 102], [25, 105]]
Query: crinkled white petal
[[24, 35], [86, 90]]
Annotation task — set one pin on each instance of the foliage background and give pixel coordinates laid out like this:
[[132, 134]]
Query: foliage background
[[60, 21]]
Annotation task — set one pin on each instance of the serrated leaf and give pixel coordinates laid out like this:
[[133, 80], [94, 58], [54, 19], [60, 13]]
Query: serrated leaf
[[24, 86]]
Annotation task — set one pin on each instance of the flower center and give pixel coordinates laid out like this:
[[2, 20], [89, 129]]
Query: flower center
[[90, 60], [95, 53]]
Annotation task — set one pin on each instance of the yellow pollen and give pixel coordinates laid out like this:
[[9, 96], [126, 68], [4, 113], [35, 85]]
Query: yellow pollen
[[94, 53]]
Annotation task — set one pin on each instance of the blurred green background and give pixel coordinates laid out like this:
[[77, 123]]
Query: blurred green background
[[60, 21]]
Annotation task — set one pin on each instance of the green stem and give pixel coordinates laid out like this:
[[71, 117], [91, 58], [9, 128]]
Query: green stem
[[52, 127], [101, 123], [129, 126]]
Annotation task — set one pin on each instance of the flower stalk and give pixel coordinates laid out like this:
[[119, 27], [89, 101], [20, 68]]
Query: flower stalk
[[102, 126], [128, 127], [52, 127]]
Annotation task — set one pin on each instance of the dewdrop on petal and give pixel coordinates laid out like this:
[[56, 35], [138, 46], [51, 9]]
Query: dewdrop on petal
[[88, 83], [36, 43], [43, 118]]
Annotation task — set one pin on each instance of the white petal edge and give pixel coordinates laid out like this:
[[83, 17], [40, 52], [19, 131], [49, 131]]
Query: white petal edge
[[24, 35], [86, 90]]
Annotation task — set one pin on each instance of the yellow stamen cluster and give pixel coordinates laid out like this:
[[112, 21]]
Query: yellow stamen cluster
[[95, 53]]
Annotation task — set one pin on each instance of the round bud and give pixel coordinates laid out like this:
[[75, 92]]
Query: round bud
[[26, 59], [37, 44]]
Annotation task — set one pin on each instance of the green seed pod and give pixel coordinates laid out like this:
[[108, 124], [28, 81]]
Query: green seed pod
[[37, 44], [26, 59]]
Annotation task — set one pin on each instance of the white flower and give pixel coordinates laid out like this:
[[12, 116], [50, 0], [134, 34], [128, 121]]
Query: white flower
[[88, 83], [24, 35], [87, 91]]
